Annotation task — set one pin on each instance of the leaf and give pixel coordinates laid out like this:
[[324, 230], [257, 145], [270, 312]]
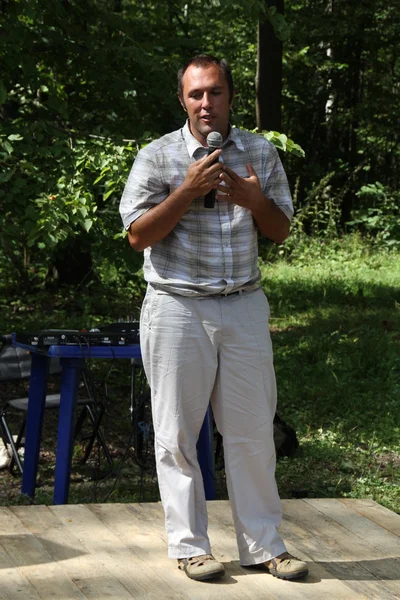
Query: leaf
[[101, 176], [87, 225], [8, 147], [279, 143], [295, 149], [108, 194], [6, 176]]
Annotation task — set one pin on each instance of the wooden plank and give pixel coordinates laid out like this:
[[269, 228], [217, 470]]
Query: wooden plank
[[380, 515], [122, 562], [88, 574], [253, 584], [343, 554], [257, 584], [319, 585], [142, 526], [13, 585], [383, 547], [117, 552], [368, 531], [33, 561]]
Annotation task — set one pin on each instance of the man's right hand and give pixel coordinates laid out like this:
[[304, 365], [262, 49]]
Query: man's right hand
[[204, 175]]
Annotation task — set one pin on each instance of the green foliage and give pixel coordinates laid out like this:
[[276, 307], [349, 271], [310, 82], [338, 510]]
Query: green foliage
[[72, 71], [73, 190], [279, 23], [282, 142], [341, 101], [380, 216], [320, 215]]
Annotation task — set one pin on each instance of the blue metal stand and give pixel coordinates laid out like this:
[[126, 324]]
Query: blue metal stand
[[205, 455], [71, 374], [34, 421], [72, 359]]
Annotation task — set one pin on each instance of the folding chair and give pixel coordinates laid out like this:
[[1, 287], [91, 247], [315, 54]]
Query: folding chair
[[15, 364]]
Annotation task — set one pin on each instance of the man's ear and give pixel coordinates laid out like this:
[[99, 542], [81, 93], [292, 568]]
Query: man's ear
[[233, 97], [182, 102]]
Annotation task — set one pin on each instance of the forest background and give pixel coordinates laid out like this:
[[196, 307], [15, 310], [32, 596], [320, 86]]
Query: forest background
[[85, 84]]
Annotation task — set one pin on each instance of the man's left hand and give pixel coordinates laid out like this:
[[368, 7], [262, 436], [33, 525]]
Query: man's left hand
[[244, 191]]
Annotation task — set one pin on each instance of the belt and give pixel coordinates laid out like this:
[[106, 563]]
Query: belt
[[159, 289], [226, 294]]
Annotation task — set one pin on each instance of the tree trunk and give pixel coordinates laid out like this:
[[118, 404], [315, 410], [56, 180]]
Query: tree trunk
[[73, 261], [269, 74]]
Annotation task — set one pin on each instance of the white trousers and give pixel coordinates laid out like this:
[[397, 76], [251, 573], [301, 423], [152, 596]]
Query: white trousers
[[219, 348]]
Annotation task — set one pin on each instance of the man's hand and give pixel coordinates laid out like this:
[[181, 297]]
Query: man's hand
[[203, 175], [244, 191]]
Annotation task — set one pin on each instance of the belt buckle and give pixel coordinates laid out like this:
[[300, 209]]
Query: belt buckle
[[226, 294]]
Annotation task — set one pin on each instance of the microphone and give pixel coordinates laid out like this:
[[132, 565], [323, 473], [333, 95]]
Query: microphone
[[214, 142]]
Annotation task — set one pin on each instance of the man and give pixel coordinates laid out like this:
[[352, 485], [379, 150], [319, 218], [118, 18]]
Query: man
[[204, 321]]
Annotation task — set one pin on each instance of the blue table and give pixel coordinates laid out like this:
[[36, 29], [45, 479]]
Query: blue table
[[72, 359]]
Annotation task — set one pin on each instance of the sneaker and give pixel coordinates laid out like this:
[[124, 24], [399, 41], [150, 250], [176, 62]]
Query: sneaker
[[286, 566], [201, 567]]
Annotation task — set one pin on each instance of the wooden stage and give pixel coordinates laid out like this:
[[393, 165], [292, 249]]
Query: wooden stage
[[118, 551]]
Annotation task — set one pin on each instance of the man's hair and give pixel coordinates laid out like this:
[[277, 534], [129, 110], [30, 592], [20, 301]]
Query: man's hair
[[205, 60]]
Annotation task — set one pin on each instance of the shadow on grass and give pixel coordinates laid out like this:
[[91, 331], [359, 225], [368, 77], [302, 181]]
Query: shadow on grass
[[337, 357]]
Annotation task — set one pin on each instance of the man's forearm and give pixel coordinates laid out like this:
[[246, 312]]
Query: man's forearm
[[270, 220], [155, 224]]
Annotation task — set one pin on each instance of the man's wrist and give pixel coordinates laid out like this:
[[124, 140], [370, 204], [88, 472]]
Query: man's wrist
[[187, 192], [259, 203]]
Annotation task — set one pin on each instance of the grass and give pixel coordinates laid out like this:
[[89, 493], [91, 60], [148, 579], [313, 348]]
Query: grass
[[336, 333], [335, 322]]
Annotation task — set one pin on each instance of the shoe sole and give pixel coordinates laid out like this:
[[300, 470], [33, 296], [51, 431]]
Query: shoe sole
[[206, 576], [289, 576], [261, 567]]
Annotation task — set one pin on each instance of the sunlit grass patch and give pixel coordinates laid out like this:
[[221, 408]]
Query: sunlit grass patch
[[335, 323]]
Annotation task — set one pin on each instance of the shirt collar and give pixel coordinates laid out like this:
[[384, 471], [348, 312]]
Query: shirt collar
[[233, 136], [192, 144]]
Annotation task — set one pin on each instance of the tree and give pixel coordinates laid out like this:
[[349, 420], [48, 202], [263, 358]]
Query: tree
[[341, 100], [269, 69], [80, 78]]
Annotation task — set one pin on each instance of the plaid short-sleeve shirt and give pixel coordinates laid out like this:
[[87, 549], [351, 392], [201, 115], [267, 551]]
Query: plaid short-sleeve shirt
[[210, 251]]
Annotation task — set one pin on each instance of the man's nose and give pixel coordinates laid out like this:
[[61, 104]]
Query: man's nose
[[206, 100]]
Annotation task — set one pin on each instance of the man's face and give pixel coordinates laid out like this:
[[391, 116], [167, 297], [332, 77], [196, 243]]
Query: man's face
[[206, 99]]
